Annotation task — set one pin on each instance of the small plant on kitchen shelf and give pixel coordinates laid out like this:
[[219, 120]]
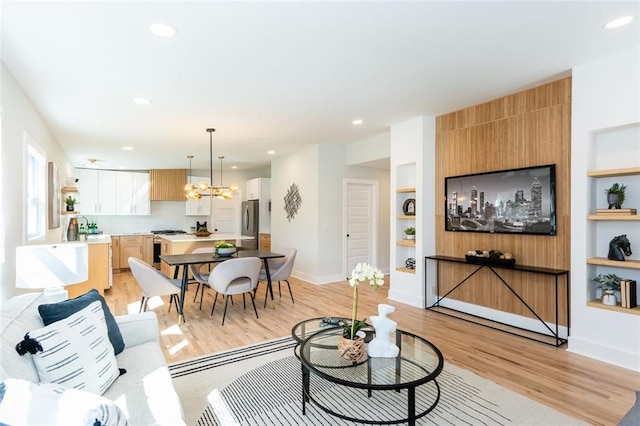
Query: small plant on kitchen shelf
[[70, 202], [410, 232], [615, 195], [362, 272]]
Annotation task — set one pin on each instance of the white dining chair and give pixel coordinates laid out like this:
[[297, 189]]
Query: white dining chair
[[200, 273], [235, 276], [154, 283], [280, 269]]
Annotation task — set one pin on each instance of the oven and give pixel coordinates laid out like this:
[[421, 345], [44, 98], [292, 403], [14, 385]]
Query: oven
[[157, 243]]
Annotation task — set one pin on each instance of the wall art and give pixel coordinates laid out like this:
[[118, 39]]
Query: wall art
[[292, 201]]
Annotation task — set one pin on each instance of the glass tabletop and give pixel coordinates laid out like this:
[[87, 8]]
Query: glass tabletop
[[418, 362]]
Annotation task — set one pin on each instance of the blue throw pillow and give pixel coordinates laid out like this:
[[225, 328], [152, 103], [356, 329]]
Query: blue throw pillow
[[53, 312]]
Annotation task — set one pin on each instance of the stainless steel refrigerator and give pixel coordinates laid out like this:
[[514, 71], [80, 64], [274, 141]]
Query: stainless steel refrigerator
[[250, 212]]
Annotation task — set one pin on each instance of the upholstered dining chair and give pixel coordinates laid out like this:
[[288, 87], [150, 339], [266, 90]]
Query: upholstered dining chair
[[280, 269], [235, 276], [200, 273], [154, 283]]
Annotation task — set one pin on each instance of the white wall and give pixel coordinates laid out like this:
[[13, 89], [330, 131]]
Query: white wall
[[316, 231], [19, 115], [369, 149], [606, 96]]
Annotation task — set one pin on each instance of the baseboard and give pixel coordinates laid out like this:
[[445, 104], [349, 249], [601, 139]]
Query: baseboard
[[608, 354], [406, 298]]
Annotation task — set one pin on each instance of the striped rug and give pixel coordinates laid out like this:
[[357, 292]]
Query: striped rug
[[261, 385]]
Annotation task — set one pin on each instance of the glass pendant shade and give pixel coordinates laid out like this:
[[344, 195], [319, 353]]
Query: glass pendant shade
[[196, 192]]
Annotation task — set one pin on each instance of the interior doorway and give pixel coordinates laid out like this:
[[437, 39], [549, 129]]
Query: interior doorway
[[360, 223]]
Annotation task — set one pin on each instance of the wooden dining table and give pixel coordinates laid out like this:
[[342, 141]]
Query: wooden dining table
[[184, 260]]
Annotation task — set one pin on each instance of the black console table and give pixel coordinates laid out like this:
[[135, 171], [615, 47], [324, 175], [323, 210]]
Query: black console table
[[495, 269]]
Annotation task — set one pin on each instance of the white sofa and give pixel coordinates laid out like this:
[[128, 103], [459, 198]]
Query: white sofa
[[145, 393]]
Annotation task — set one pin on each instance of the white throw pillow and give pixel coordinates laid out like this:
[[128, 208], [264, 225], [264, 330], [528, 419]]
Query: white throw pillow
[[76, 352], [26, 403]]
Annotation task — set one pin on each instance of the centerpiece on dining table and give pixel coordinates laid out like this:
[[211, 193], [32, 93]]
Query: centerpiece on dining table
[[225, 249], [351, 345]]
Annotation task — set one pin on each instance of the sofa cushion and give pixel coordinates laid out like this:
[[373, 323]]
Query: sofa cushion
[[76, 351], [23, 403], [53, 312], [146, 392]]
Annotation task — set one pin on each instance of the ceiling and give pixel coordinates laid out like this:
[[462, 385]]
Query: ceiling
[[281, 75]]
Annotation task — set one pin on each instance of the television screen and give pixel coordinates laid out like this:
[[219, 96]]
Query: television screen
[[518, 201]]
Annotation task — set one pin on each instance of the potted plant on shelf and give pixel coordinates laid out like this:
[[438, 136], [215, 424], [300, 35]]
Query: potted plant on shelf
[[609, 284], [615, 195], [351, 344], [70, 202], [410, 233]]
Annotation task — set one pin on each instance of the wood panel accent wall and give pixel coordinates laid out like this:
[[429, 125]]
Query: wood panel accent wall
[[529, 128], [167, 184]]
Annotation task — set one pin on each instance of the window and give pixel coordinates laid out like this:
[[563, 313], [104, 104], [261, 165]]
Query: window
[[35, 190]]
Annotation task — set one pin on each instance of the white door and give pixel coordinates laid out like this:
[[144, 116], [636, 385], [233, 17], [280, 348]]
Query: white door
[[360, 223]]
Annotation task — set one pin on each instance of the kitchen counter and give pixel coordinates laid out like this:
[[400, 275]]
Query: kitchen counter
[[96, 239], [187, 238]]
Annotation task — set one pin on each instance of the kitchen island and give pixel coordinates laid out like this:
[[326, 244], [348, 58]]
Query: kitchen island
[[186, 243]]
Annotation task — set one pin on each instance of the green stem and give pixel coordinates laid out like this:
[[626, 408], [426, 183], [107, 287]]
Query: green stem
[[355, 310]]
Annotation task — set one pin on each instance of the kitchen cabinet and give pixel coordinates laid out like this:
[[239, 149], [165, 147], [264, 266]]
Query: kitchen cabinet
[[115, 245], [147, 249], [201, 207], [97, 191], [167, 184], [130, 246], [265, 242], [133, 193], [99, 271]]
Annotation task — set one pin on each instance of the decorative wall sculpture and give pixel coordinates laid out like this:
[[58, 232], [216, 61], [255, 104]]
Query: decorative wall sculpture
[[292, 201]]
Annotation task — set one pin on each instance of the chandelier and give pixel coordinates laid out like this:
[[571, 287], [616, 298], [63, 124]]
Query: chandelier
[[203, 189]]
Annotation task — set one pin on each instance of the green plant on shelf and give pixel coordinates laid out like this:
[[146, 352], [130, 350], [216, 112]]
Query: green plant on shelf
[[607, 282], [410, 231]]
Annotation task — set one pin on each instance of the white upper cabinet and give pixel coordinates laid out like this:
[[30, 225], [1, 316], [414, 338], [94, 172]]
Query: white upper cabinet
[[97, 191], [108, 192], [133, 193], [201, 207]]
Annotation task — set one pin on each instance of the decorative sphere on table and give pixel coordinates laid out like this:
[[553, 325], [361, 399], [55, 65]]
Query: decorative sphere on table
[[410, 263]]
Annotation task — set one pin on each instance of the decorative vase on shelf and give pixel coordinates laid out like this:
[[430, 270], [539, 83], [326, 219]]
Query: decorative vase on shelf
[[609, 298], [381, 346], [351, 349]]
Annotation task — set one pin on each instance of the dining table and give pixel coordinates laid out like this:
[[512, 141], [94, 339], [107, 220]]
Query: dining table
[[184, 260]]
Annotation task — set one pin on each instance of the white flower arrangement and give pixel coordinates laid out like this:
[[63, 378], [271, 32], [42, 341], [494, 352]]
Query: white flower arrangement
[[361, 273]]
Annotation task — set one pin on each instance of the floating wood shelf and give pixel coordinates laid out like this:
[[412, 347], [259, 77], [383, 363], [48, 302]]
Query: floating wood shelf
[[407, 217], [603, 261], [73, 212], [405, 270], [67, 189], [629, 171], [406, 243], [614, 217], [405, 190], [597, 303]]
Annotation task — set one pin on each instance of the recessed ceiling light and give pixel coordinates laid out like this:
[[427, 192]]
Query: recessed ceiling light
[[234, 167], [271, 152], [619, 22], [127, 148], [162, 30], [357, 122], [141, 101]]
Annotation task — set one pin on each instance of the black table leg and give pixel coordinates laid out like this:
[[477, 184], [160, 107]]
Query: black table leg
[[269, 286], [412, 406], [183, 290]]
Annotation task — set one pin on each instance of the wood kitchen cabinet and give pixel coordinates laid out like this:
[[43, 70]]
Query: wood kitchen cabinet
[[98, 271], [115, 258], [147, 249], [265, 242], [130, 246], [167, 184]]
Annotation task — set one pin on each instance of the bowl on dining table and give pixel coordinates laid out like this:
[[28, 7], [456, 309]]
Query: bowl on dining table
[[225, 251]]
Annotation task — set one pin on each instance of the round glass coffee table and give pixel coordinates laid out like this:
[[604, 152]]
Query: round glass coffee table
[[377, 390]]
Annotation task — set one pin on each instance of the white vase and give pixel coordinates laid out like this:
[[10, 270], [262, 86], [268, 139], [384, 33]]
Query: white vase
[[609, 298]]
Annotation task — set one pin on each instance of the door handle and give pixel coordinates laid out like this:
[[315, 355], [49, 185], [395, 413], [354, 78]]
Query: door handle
[[348, 235]]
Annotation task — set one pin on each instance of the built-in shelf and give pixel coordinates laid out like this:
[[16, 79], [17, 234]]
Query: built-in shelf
[[597, 303], [603, 261], [73, 212], [629, 171], [405, 270], [406, 243], [68, 189], [406, 217], [406, 190], [614, 217]]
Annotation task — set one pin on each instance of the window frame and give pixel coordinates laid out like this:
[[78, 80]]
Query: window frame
[[35, 189]]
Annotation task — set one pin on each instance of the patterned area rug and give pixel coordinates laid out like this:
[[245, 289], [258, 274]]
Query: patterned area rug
[[261, 385]]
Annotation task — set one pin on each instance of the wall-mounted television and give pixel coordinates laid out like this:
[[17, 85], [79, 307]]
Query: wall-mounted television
[[520, 201]]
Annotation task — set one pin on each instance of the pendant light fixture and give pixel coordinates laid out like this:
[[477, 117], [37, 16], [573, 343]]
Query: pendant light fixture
[[195, 192]]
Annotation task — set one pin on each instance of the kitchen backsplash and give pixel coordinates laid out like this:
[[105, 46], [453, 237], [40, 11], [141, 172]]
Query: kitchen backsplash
[[164, 215]]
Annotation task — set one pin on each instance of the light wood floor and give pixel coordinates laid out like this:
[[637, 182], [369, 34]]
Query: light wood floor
[[578, 386]]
